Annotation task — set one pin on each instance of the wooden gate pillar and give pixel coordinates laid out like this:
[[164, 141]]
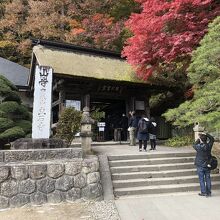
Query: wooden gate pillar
[[62, 97], [86, 101], [131, 104]]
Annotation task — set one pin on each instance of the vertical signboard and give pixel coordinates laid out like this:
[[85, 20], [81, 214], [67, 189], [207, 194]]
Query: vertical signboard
[[41, 123]]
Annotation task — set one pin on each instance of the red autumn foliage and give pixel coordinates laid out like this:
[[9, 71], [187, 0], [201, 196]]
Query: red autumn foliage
[[166, 32]]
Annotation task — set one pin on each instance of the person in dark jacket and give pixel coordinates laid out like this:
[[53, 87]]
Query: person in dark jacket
[[203, 147], [124, 126], [143, 129], [152, 133]]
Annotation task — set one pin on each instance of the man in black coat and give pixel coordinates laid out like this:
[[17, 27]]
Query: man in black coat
[[203, 149]]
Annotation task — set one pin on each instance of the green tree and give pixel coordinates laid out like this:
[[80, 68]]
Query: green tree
[[204, 74], [15, 119], [91, 23], [68, 124]]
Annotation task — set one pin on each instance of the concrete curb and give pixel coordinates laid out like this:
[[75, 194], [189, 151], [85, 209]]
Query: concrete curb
[[106, 178]]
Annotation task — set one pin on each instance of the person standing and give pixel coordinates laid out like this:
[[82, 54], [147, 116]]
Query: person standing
[[203, 147], [152, 133], [143, 129], [124, 126], [133, 123]]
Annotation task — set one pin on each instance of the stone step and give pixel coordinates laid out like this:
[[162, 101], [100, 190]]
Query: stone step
[[159, 181], [151, 161], [173, 188], [158, 167], [8, 156], [150, 155], [153, 174]]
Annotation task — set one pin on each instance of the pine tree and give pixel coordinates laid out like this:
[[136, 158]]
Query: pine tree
[[15, 119], [204, 73]]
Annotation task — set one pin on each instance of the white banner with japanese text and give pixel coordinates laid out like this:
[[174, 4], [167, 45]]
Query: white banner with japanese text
[[41, 123]]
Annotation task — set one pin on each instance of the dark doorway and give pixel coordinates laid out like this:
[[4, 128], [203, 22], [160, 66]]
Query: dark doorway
[[113, 110]]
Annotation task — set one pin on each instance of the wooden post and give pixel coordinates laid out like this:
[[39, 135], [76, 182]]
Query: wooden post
[[131, 104], [86, 100], [62, 98]]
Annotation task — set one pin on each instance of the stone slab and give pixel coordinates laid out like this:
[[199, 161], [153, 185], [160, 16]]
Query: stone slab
[[41, 154], [29, 143]]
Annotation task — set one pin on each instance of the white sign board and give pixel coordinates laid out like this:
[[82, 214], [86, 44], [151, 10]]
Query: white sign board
[[101, 124], [41, 123], [101, 128], [74, 103]]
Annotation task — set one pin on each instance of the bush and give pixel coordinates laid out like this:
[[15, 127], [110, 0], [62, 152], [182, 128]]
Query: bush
[[68, 124], [15, 119], [25, 125], [6, 86], [5, 123], [9, 107], [12, 96], [11, 134], [179, 141]]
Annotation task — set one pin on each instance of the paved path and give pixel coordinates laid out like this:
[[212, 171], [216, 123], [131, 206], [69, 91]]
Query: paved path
[[188, 206], [125, 149]]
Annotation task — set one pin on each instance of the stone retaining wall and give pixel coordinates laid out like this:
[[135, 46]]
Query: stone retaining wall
[[51, 181]]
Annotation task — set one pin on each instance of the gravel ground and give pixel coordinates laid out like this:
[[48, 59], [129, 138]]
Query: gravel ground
[[86, 210]]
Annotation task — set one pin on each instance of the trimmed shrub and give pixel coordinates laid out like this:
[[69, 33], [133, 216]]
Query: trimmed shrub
[[9, 107], [179, 141], [25, 125], [11, 134], [12, 96], [5, 123], [68, 124], [15, 119]]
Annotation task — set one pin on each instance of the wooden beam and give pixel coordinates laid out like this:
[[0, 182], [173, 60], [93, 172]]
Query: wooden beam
[[57, 102], [58, 84]]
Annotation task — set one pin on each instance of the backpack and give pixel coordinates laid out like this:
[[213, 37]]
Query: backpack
[[143, 126], [212, 163]]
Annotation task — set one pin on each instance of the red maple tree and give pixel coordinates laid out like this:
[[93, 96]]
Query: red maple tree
[[166, 32]]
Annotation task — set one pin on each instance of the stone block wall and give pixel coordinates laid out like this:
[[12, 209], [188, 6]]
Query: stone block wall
[[51, 181]]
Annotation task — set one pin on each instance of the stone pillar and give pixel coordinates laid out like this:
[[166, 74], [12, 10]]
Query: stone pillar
[[86, 131], [42, 106], [197, 129]]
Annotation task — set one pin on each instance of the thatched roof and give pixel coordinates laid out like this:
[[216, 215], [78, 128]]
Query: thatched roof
[[85, 64]]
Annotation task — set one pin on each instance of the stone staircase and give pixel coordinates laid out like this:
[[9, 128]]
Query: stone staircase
[[155, 173]]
